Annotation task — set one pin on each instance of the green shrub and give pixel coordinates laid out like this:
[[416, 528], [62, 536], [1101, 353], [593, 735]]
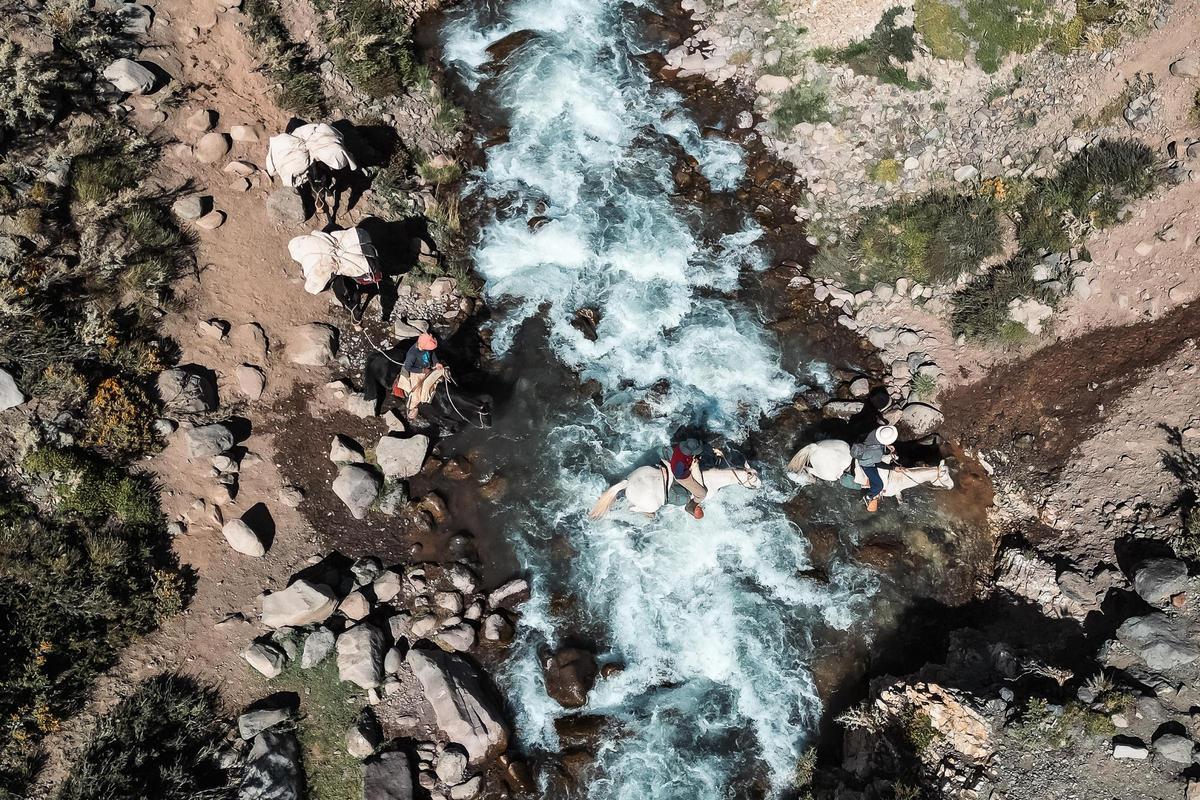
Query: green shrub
[[980, 309], [328, 707], [992, 29], [1090, 188], [930, 240], [1039, 727], [886, 170], [75, 588], [802, 102], [440, 174], [89, 489], [880, 53], [160, 742], [371, 42], [296, 78]]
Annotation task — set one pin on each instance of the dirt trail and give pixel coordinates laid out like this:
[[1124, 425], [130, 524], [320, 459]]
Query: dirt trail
[[1060, 393], [245, 276]]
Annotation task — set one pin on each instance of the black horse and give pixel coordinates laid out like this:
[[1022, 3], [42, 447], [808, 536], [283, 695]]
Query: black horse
[[449, 410]]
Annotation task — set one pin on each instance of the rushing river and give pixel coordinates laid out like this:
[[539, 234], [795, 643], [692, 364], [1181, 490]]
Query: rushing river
[[711, 619]]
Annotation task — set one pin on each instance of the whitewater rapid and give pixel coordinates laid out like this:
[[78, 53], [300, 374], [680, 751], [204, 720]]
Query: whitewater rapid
[[711, 619]]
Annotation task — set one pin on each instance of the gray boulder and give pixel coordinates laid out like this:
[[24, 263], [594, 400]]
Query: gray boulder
[[1130, 751], [360, 656], [1156, 580], [317, 647], [452, 765], [357, 487], [509, 595], [468, 789], [129, 76], [1174, 747], [251, 380], [313, 344], [1186, 67], [185, 392], [387, 776], [252, 723], [363, 737], [401, 458], [462, 711], [302, 603], [344, 450], [1162, 642], [286, 207], [272, 770], [918, 420], [205, 441], [10, 395], [842, 409], [265, 657], [241, 537], [212, 147]]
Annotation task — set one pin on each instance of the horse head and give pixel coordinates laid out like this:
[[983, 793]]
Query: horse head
[[748, 477]]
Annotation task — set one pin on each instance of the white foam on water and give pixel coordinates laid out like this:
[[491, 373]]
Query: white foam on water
[[711, 618]]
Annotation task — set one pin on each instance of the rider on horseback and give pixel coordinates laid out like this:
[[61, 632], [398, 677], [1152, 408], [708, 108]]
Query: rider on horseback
[[685, 463], [420, 373], [876, 449]]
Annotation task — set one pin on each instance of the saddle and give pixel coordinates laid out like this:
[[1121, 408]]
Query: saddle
[[676, 494]]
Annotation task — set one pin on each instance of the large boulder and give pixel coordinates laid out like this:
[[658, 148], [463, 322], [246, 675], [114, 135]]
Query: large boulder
[[387, 776], [462, 711], [129, 76], [570, 674], [286, 206], [272, 770], [265, 657], [1157, 580], [313, 344], [183, 391], [360, 656], [356, 486], [10, 395], [1162, 642], [302, 603], [1174, 747], [205, 441], [241, 537], [918, 420], [401, 458], [252, 723], [212, 147]]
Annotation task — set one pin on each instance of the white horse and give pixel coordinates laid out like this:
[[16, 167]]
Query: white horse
[[646, 487], [829, 459]]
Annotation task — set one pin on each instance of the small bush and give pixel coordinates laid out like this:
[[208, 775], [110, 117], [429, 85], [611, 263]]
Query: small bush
[[92, 490], [991, 28], [1041, 727], [803, 102], [160, 742], [371, 42], [881, 53], [930, 240], [120, 419], [885, 171], [440, 174], [29, 89], [1088, 190], [980, 309], [296, 78]]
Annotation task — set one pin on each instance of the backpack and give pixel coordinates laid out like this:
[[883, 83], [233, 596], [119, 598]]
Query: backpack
[[868, 455]]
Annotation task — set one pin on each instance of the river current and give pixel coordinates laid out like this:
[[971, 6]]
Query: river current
[[712, 619]]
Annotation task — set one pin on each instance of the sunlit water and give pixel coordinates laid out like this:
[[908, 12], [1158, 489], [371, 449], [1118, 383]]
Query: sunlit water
[[711, 619]]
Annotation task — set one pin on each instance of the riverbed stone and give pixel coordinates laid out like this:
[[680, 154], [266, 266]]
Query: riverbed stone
[[461, 709], [401, 457], [360, 656], [842, 409], [265, 657], [918, 420], [301, 603], [387, 776], [357, 487], [570, 673], [344, 450]]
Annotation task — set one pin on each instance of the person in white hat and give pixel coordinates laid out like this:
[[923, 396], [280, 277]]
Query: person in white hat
[[876, 449]]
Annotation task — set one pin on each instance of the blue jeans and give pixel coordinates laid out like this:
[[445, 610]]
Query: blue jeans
[[875, 480]]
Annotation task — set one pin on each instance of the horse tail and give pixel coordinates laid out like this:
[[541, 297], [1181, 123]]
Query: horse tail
[[604, 504], [799, 462]]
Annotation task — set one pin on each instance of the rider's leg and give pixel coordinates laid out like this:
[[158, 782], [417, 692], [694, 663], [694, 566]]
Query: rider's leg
[[694, 487], [875, 481]]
